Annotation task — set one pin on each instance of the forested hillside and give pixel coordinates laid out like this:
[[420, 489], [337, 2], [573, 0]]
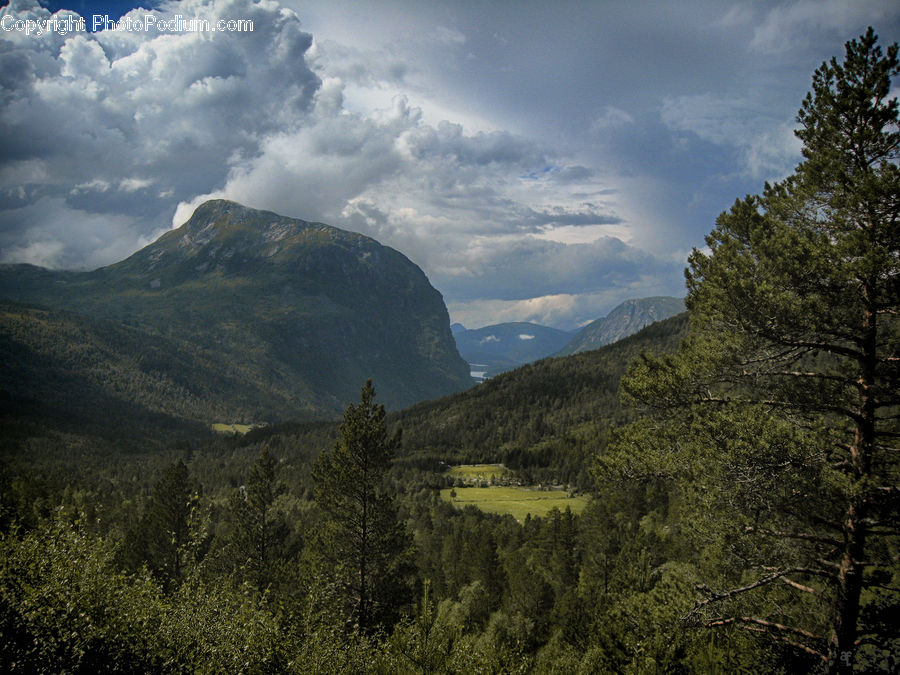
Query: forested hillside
[[113, 507], [543, 419], [101, 377]]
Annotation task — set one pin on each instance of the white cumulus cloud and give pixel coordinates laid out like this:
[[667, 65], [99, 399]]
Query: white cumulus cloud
[[123, 125]]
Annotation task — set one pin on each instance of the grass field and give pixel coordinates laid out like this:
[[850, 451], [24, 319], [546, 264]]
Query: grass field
[[233, 428], [516, 501], [476, 472]]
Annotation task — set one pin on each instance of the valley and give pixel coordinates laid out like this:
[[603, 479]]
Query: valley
[[183, 449]]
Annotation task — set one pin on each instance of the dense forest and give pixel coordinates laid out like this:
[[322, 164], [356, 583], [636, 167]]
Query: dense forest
[[741, 461]]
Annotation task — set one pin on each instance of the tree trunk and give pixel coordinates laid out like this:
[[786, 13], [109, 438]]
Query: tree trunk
[[842, 645], [363, 613]]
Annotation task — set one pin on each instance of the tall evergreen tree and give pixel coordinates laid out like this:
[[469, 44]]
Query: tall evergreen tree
[[260, 531], [364, 541], [172, 527], [782, 428]]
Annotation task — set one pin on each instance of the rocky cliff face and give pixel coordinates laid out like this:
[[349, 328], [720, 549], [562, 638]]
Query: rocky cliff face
[[305, 311]]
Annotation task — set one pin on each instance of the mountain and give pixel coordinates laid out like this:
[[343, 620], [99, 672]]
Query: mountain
[[257, 317], [503, 346], [626, 319]]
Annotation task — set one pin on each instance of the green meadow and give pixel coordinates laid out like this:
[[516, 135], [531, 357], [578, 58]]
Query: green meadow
[[516, 501], [223, 428], [477, 472]]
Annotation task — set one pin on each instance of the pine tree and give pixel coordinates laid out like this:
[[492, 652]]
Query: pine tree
[[260, 531], [364, 541], [173, 527], [781, 407]]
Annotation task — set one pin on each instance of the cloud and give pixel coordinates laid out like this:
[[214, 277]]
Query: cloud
[[158, 124], [376, 68], [787, 26], [765, 146], [122, 125], [710, 117], [516, 157], [565, 311], [448, 140], [773, 153], [449, 36], [40, 253], [315, 170], [611, 118], [424, 189], [551, 310], [50, 233], [571, 174], [518, 269]]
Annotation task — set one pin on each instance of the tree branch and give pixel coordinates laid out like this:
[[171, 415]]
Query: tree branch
[[828, 563], [791, 352], [800, 587], [856, 417], [816, 346], [735, 591], [761, 625], [801, 374], [794, 535], [828, 576]]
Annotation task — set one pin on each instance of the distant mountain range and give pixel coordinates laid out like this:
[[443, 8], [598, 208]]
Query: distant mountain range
[[238, 315], [494, 349], [626, 319]]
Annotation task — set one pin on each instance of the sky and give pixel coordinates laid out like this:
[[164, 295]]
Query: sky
[[540, 161]]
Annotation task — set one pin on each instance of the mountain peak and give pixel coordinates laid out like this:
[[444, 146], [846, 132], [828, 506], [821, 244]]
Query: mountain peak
[[224, 237], [227, 212], [624, 320], [224, 220]]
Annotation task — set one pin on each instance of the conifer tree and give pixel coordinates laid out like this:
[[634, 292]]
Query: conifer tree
[[364, 541], [260, 530], [172, 527], [781, 408]]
